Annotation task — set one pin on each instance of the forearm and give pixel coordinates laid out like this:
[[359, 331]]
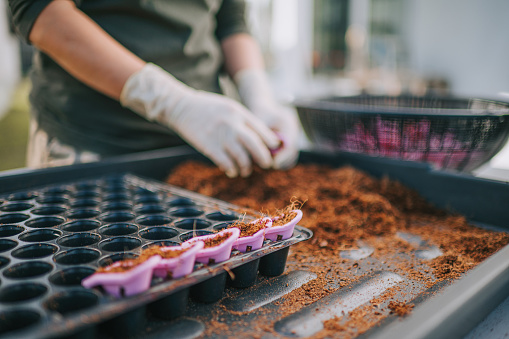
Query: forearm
[[241, 51], [83, 48]]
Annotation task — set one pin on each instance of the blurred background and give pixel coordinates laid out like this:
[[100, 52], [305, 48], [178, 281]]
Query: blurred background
[[333, 47]]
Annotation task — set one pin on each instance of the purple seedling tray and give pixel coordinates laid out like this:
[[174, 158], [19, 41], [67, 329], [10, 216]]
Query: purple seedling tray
[[218, 253], [276, 233], [255, 241], [181, 265], [131, 282]]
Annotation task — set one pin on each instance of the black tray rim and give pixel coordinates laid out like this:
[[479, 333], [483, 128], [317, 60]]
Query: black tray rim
[[334, 105]]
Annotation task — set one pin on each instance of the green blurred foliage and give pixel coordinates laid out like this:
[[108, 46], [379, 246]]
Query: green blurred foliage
[[14, 129]]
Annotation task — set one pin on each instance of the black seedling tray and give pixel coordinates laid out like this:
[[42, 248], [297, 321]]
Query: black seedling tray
[[53, 236]]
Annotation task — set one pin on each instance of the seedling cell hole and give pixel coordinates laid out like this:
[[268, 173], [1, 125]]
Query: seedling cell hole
[[116, 206], [28, 270], [40, 235], [120, 244], [71, 276], [192, 224], [80, 226], [22, 196], [16, 207], [118, 229], [83, 214], [7, 244], [45, 222], [77, 256], [10, 230], [158, 233], [49, 210], [79, 240], [34, 251], [71, 301], [218, 216], [117, 217], [13, 218], [13, 320], [154, 220], [22, 292]]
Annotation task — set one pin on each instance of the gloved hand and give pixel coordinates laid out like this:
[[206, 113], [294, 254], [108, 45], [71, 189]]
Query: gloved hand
[[254, 91], [220, 128]]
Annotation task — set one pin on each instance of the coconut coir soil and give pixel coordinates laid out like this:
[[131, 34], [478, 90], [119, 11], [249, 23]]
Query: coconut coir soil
[[164, 252], [128, 264], [345, 207], [120, 266], [248, 229], [215, 240]]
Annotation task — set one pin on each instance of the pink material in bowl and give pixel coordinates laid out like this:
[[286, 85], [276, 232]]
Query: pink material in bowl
[[179, 266], [131, 282], [217, 253], [275, 151], [255, 241], [276, 233]]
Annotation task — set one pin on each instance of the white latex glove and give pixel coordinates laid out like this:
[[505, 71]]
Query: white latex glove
[[220, 128], [255, 93]]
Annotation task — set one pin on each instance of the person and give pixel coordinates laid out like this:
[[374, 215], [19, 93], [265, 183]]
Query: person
[[113, 77]]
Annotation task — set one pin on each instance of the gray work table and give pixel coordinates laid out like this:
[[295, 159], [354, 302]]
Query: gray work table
[[496, 324]]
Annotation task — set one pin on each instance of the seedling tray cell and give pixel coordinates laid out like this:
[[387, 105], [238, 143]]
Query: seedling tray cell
[[53, 236]]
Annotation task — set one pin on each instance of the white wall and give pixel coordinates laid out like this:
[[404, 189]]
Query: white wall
[[464, 41], [9, 61]]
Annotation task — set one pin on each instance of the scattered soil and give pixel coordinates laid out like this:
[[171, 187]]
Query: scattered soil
[[359, 321], [248, 229], [400, 308], [345, 207]]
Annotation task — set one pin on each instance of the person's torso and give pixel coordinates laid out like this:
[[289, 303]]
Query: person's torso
[[177, 35]]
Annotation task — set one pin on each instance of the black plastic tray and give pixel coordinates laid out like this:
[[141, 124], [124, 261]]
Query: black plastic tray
[[445, 311], [51, 237]]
